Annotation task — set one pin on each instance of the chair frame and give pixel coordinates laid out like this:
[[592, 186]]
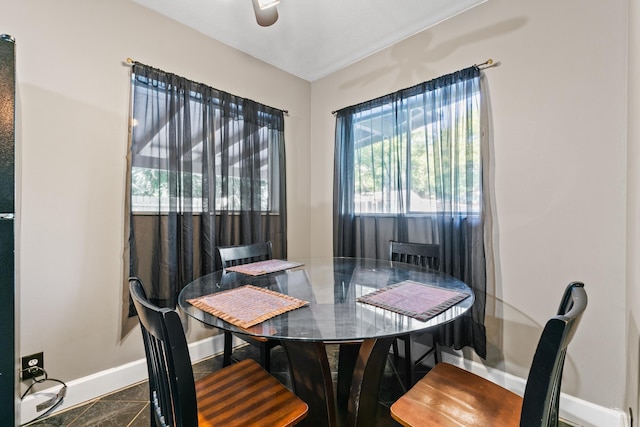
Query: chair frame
[[545, 375], [168, 358], [423, 255], [433, 398], [227, 256], [176, 400]]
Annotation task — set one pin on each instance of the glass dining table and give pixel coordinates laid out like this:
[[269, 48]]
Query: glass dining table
[[333, 315]]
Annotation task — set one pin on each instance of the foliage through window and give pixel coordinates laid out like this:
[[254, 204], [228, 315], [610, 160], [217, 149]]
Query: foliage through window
[[413, 160]]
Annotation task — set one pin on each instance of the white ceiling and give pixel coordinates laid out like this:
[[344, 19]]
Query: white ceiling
[[312, 38]]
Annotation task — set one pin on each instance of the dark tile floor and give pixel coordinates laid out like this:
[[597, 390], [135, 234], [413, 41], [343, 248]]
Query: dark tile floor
[[129, 407]]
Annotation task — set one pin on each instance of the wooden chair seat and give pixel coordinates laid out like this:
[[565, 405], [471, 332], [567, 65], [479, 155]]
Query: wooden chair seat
[[435, 401], [450, 396], [244, 394], [241, 395]]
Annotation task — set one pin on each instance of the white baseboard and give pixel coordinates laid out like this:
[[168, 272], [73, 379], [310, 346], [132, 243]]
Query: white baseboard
[[576, 411], [84, 389]]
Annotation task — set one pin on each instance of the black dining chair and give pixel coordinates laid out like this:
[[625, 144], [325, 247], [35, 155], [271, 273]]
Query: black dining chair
[[449, 395], [240, 395], [228, 256], [423, 255]]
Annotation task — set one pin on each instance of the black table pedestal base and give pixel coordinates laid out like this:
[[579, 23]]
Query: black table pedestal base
[[360, 370]]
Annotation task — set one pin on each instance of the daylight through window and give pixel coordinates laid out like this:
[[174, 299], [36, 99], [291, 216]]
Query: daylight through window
[[412, 160], [200, 164]]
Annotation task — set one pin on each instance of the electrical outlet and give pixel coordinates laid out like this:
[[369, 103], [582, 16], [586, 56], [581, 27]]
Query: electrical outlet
[[29, 363]]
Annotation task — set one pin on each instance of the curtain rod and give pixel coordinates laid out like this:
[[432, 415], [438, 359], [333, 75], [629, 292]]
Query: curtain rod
[[486, 64], [131, 62]]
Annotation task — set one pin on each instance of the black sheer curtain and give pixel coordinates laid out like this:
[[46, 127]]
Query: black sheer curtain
[[206, 169], [409, 167]]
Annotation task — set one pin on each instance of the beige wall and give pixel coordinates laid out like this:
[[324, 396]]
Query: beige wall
[[633, 213], [559, 142], [73, 97]]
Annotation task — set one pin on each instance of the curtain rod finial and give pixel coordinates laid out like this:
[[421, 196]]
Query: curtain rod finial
[[487, 64]]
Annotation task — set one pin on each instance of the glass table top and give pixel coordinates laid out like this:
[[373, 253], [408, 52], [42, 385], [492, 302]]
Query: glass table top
[[331, 286]]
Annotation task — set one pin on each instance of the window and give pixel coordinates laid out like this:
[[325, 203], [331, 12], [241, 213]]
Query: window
[[401, 162], [408, 167], [205, 168], [167, 156]]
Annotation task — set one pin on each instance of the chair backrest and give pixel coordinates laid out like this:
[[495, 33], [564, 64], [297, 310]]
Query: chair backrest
[[227, 256], [542, 392], [171, 383], [422, 254]]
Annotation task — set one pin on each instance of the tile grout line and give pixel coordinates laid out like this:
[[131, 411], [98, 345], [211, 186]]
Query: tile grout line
[[145, 407], [88, 406]]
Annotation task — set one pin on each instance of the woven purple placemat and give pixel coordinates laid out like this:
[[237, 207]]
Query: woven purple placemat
[[263, 267], [247, 305], [414, 299]]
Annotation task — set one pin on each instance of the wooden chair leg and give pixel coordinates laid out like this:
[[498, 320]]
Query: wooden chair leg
[[228, 349]]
